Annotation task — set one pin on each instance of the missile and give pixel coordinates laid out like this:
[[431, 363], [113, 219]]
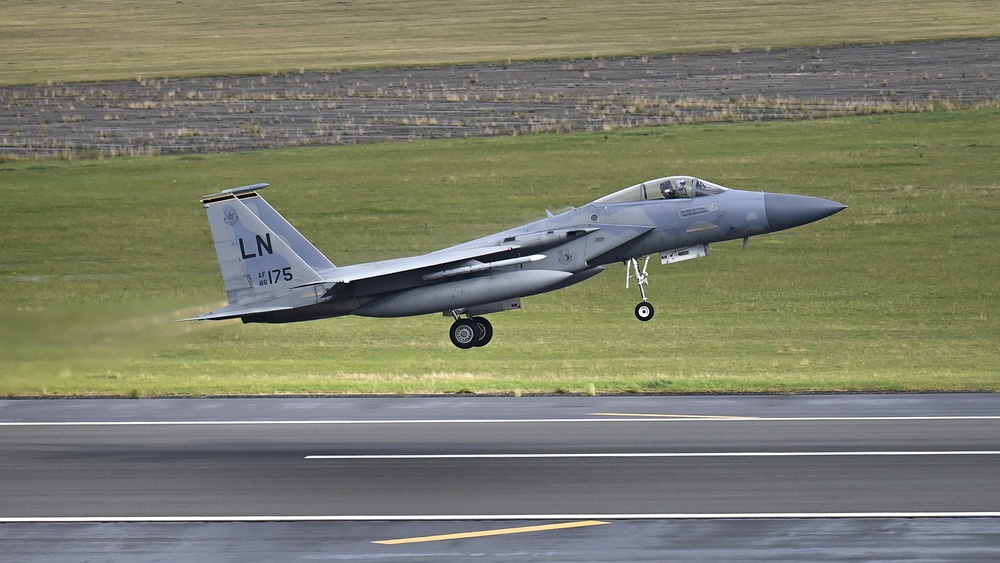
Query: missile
[[483, 266], [546, 239]]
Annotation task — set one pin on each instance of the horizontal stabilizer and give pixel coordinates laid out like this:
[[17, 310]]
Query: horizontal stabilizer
[[234, 312]]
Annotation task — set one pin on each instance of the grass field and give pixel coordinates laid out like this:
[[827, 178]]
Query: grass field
[[57, 41], [899, 292]]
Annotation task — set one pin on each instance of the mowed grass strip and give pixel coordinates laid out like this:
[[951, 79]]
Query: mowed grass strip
[[58, 41], [897, 293]]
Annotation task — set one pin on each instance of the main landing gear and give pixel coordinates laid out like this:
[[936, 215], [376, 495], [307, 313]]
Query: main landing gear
[[643, 311], [471, 332]]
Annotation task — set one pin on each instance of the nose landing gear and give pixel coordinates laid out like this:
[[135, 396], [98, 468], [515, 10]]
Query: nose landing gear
[[643, 311]]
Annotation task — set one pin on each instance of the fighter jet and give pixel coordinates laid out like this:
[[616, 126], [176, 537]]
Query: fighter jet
[[273, 274]]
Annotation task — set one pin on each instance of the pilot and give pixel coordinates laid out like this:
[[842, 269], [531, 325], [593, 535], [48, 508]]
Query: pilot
[[667, 189], [681, 190]]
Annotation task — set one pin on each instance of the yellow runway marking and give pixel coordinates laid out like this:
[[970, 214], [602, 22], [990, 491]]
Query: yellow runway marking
[[650, 415], [499, 532]]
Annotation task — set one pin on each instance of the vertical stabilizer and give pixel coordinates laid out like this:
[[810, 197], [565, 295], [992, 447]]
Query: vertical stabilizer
[[260, 261], [281, 227]]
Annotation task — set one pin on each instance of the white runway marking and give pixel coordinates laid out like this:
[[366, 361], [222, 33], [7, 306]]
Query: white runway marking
[[651, 455], [455, 517], [647, 419]]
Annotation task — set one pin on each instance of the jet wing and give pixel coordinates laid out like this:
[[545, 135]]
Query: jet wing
[[439, 259], [462, 259]]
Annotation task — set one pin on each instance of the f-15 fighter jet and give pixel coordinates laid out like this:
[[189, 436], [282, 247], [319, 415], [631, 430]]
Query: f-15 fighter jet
[[273, 274]]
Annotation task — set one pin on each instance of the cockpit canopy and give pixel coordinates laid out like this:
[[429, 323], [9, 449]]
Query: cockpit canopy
[[670, 187]]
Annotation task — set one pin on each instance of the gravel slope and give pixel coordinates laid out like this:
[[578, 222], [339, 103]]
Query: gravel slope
[[249, 112]]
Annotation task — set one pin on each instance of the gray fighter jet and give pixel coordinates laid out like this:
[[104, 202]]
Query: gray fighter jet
[[273, 274]]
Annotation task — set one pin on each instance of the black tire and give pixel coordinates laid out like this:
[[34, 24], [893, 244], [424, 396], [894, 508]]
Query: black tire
[[644, 311], [485, 332], [464, 333]]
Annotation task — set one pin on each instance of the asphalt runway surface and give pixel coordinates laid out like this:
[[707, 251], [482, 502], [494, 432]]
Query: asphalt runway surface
[[608, 478]]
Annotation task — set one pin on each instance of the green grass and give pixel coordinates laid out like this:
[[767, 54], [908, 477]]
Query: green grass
[[899, 292], [57, 41]]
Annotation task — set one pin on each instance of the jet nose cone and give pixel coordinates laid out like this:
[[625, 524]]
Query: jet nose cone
[[785, 211]]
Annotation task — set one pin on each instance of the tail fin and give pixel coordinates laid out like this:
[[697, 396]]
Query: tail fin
[[281, 227], [263, 257]]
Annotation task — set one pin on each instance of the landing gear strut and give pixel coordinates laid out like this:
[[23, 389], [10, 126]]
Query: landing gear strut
[[643, 311], [471, 332]]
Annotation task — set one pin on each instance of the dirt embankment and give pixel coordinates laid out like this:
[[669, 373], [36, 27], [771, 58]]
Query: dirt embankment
[[250, 112]]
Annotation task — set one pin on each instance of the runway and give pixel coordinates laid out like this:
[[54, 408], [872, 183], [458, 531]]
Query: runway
[[474, 464]]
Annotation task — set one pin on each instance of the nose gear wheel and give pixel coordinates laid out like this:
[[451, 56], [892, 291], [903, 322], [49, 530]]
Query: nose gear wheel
[[644, 311]]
